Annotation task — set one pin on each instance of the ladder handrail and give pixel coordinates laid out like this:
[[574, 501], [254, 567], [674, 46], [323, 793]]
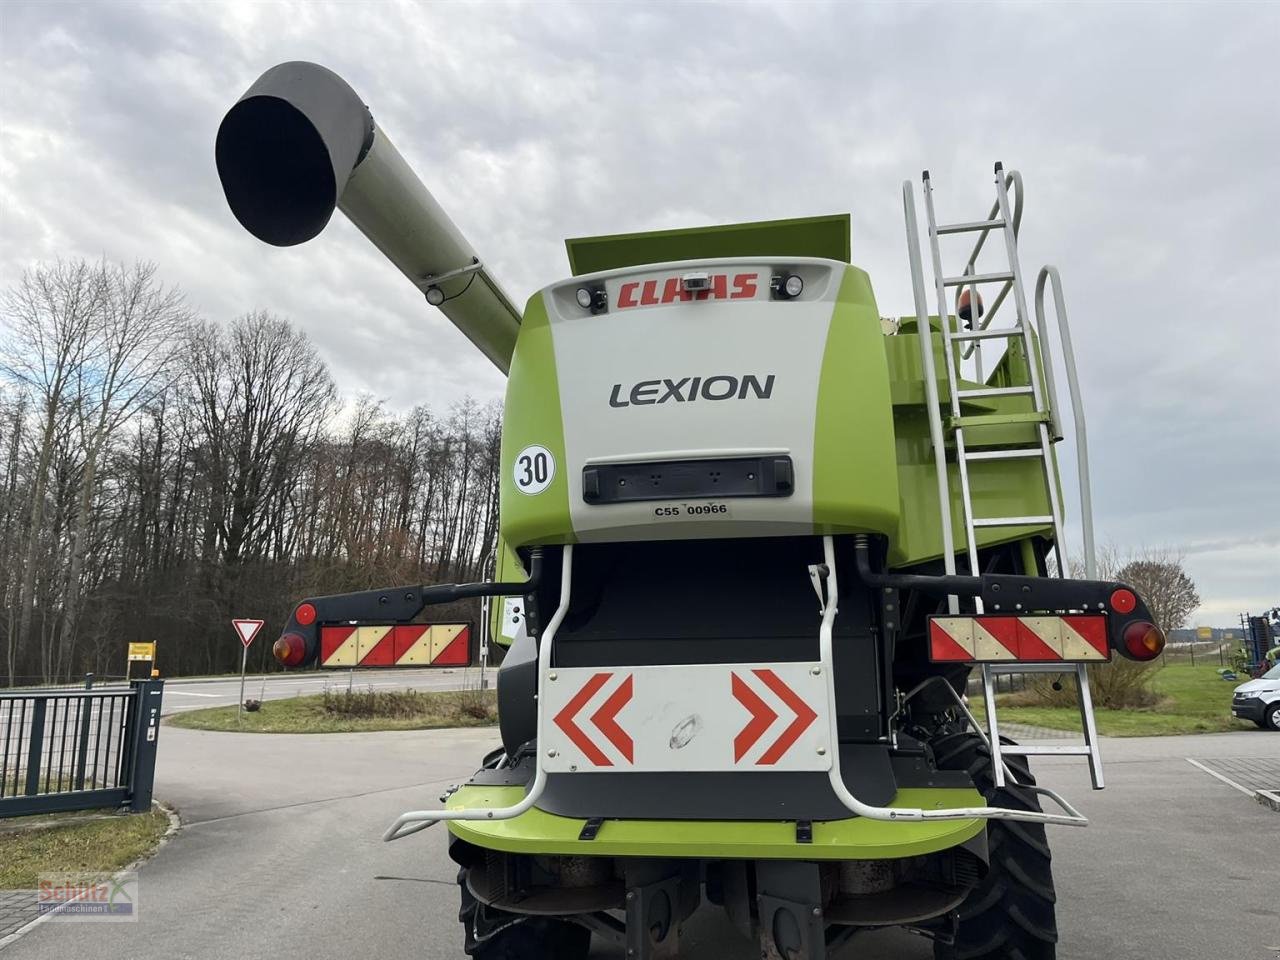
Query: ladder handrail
[[1012, 179], [1024, 329], [949, 361], [925, 336], [1050, 273]]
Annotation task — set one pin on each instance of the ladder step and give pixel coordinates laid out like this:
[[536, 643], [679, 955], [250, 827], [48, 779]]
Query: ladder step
[[1014, 666], [993, 392], [1020, 750], [1032, 453], [971, 226], [1012, 521], [977, 278], [997, 419], [988, 334]]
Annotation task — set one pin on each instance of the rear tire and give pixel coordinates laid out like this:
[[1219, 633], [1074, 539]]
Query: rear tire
[[1009, 915], [493, 934]]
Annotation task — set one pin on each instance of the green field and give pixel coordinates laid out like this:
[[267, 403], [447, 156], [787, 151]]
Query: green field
[[1193, 700], [97, 841], [352, 713]]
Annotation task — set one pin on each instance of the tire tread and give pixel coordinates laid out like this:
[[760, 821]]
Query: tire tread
[[1009, 915], [527, 938]]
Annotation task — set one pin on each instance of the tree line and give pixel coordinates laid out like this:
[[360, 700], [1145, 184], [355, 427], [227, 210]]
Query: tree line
[[163, 473]]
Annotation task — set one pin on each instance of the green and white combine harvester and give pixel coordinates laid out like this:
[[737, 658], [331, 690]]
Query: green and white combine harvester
[[755, 537]]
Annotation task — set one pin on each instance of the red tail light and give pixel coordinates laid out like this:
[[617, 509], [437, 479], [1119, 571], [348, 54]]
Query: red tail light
[[305, 614], [1143, 640], [1123, 601], [290, 649]]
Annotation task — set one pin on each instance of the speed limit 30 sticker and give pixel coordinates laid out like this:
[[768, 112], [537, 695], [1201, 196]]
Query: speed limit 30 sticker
[[534, 469]]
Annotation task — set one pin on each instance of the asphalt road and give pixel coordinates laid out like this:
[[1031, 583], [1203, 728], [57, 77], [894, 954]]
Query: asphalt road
[[180, 695], [280, 857]]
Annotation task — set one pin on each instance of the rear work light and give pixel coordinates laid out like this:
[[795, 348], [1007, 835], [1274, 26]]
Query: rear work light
[[594, 299], [786, 286], [290, 650], [1143, 640]]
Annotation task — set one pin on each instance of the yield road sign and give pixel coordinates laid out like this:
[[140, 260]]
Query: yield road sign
[[246, 630]]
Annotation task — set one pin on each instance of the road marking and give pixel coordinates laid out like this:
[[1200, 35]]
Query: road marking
[[1227, 780], [186, 693]]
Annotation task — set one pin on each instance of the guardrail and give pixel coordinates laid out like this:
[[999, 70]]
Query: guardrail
[[77, 749]]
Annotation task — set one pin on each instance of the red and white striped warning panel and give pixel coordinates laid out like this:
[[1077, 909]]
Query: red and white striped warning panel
[[401, 645], [716, 717], [989, 639]]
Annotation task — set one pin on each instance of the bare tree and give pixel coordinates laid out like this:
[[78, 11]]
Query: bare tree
[[1160, 580], [260, 396], [13, 413], [136, 503], [49, 319], [140, 327], [1159, 577]]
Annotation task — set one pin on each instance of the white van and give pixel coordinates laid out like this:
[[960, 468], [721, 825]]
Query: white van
[[1259, 700]]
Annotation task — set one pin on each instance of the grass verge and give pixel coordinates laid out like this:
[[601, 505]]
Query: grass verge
[[44, 844], [1192, 700], [358, 712]]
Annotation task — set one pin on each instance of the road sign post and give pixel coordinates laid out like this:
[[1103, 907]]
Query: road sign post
[[246, 630]]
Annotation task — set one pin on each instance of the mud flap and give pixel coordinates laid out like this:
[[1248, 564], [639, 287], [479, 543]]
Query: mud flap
[[659, 899], [789, 901]]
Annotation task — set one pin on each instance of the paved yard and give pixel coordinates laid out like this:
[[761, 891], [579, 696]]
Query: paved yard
[[281, 857]]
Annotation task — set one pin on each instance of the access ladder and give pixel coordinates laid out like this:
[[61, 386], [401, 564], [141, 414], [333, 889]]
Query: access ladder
[[959, 344]]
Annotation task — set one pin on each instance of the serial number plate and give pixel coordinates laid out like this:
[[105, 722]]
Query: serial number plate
[[692, 511]]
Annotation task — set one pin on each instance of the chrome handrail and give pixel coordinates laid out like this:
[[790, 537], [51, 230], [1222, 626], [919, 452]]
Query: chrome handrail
[[925, 336], [415, 820], [1050, 274], [1070, 816]]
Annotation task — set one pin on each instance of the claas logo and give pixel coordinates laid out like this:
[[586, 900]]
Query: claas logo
[[720, 286]]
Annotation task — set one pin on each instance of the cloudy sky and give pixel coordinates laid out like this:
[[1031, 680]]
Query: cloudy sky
[[1147, 134]]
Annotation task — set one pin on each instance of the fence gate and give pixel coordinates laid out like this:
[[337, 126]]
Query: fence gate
[[78, 749]]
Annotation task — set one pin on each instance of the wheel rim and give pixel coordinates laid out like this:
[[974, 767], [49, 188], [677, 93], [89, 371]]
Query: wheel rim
[[1275, 717]]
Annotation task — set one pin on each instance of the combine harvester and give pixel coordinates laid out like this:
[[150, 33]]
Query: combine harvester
[[755, 538]]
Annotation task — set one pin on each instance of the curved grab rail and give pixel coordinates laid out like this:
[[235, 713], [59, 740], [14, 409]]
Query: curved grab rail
[[1070, 816], [1050, 274], [415, 820]]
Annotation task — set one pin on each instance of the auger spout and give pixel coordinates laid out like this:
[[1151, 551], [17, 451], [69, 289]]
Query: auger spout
[[301, 143]]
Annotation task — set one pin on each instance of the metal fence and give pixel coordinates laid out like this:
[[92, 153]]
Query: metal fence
[[78, 749]]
